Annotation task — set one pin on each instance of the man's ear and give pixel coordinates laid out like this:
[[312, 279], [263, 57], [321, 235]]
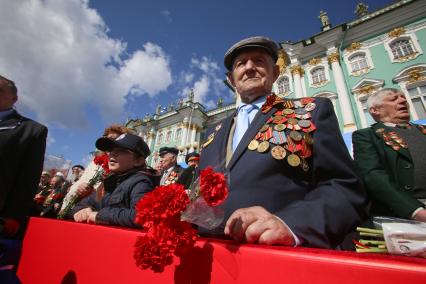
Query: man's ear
[[374, 111], [140, 161], [231, 79]]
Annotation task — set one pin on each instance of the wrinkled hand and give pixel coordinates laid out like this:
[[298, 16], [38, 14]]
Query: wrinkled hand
[[420, 216], [257, 225], [83, 215], [84, 189]]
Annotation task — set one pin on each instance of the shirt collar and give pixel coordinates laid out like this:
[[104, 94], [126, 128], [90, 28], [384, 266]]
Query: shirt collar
[[6, 113], [258, 103], [389, 124]]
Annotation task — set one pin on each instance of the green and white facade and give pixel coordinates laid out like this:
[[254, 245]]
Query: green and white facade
[[345, 63]]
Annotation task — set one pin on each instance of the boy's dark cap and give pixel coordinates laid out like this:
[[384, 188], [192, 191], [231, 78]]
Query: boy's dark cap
[[252, 42], [165, 150], [128, 141]]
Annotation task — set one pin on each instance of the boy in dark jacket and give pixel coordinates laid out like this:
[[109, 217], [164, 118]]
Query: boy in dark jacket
[[129, 180]]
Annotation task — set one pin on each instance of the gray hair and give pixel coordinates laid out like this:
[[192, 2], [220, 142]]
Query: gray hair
[[377, 98]]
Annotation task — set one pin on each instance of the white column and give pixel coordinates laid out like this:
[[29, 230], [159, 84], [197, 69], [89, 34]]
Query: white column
[[361, 112], [193, 133], [296, 70], [413, 113], [302, 83], [345, 105], [184, 132]]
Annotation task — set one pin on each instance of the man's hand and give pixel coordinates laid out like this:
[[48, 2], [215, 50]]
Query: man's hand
[[84, 189], [257, 225], [83, 215], [420, 216], [92, 217]]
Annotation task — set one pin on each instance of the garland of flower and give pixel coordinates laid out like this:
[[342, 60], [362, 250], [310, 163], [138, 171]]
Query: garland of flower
[[159, 213]]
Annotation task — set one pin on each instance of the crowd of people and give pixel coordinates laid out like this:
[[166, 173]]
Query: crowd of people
[[291, 178]]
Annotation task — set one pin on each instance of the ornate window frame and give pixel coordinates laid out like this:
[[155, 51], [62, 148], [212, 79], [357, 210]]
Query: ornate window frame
[[357, 49], [285, 94], [401, 34], [312, 67], [410, 77]]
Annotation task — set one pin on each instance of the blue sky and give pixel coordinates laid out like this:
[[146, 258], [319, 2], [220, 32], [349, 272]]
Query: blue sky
[[82, 65]]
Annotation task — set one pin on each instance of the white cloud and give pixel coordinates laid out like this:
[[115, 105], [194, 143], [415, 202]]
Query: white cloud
[[50, 140], [167, 14], [62, 59], [208, 86]]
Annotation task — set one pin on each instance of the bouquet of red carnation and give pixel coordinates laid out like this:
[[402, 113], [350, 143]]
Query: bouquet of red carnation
[[167, 213], [103, 170]]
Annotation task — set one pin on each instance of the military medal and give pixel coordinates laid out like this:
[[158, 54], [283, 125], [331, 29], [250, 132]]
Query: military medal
[[300, 111], [253, 145], [264, 128], [296, 136], [310, 106], [304, 123], [308, 139], [293, 160], [218, 127], [278, 138], [263, 147], [278, 152], [279, 127], [288, 111]]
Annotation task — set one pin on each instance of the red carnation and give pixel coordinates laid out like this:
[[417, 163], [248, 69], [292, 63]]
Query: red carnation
[[155, 249], [163, 202], [102, 161], [213, 186]]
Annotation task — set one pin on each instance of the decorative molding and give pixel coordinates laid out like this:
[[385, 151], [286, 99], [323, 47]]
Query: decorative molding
[[396, 32], [282, 61], [361, 72], [333, 57], [314, 61], [407, 57], [415, 75], [319, 84], [354, 46], [367, 89], [297, 69]]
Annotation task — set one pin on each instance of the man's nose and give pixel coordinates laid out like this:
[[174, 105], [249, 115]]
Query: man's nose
[[250, 65]]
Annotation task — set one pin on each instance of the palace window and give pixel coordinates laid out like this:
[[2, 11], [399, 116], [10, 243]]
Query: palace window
[[283, 85], [358, 62], [401, 48], [318, 75], [178, 134], [168, 136], [160, 138], [418, 98]]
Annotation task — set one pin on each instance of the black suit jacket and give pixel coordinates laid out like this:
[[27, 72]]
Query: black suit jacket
[[320, 206], [22, 147]]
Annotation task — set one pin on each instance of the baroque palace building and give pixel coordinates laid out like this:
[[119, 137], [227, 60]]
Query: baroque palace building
[[345, 63]]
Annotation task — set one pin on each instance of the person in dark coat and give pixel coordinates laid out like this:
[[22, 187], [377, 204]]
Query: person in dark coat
[[390, 155], [171, 170], [129, 180], [189, 174], [291, 178], [22, 147]]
